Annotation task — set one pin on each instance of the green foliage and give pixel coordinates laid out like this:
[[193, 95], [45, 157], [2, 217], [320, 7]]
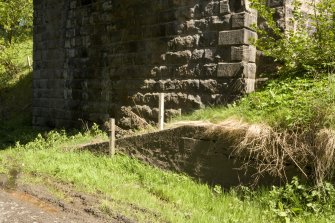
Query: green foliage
[[13, 62], [298, 199], [307, 44], [15, 85], [16, 20]]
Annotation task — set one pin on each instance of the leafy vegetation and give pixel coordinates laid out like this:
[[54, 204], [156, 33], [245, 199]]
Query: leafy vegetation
[[307, 44], [291, 121], [14, 63], [175, 198], [297, 199], [16, 21]]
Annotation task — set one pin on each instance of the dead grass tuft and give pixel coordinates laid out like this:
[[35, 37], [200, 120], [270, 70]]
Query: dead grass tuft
[[324, 154], [273, 152]]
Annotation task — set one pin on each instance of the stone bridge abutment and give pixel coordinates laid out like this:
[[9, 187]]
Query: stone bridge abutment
[[92, 58]]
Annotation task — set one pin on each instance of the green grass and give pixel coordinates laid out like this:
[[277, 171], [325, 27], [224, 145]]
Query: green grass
[[284, 103], [175, 198], [166, 196]]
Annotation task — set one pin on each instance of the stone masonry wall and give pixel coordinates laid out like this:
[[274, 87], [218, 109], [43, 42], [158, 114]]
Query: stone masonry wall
[[95, 59]]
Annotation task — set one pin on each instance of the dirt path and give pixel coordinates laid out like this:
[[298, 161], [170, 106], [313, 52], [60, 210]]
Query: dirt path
[[21, 207], [35, 204], [18, 207]]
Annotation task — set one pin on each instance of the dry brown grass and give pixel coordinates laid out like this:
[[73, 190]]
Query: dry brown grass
[[273, 152], [324, 154]]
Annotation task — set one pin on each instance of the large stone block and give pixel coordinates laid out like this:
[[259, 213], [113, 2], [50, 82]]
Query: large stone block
[[250, 85], [243, 53], [179, 42], [180, 57], [220, 22], [246, 70], [229, 69], [237, 37], [244, 20], [224, 7]]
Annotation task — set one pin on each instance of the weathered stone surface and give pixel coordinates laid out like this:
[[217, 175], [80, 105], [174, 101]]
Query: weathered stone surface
[[250, 85], [197, 54], [246, 70], [243, 53], [236, 37], [230, 69], [181, 57], [184, 42], [224, 7], [244, 20]]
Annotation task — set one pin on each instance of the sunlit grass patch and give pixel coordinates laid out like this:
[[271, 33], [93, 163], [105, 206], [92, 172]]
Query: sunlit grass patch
[[284, 103]]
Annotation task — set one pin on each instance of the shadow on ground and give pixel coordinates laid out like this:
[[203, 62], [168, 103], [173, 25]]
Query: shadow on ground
[[15, 113], [11, 134]]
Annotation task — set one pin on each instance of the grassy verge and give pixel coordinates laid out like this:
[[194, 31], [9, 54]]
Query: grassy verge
[[166, 196], [172, 197]]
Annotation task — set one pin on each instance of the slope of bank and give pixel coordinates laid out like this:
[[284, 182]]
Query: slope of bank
[[291, 120]]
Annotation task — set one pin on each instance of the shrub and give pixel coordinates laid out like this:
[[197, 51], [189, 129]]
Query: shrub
[[298, 199], [13, 61], [16, 20], [307, 45]]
